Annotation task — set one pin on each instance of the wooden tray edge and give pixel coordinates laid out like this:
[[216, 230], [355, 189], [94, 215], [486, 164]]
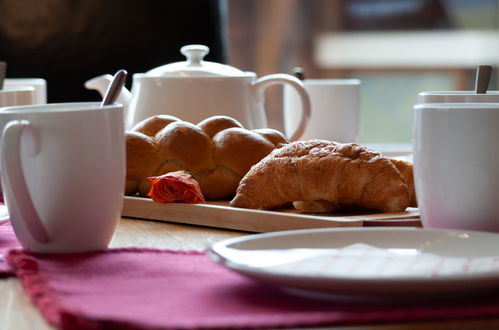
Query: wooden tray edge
[[219, 215]]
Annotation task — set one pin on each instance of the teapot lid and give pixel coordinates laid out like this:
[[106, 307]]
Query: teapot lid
[[194, 66]]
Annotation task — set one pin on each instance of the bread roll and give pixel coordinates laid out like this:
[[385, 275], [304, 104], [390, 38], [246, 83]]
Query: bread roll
[[218, 152], [238, 149], [274, 136], [143, 156], [215, 124], [150, 126], [187, 145]]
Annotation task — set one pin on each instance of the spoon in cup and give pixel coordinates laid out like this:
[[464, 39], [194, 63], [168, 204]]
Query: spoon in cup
[[114, 88], [482, 79], [3, 71], [299, 73]]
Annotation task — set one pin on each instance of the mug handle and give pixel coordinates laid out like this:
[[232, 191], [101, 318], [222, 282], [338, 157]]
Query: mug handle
[[11, 159], [282, 78]]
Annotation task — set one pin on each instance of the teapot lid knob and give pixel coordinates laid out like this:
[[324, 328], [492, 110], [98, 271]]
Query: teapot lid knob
[[194, 53], [195, 66]]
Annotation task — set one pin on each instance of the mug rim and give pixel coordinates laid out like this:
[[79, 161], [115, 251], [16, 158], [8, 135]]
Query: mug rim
[[458, 93], [333, 82], [62, 107], [21, 81], [458, 105], [9, 89]]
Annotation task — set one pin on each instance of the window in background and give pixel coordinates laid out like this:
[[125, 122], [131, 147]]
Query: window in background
[[396, 47]]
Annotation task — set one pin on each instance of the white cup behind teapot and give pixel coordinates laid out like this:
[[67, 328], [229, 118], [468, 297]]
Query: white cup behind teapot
[[39, 85], [196, 89], [335, 109], [16, 95]]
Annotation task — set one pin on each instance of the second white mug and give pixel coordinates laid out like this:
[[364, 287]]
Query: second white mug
[[457, 97], [335, 107], [455, 165]]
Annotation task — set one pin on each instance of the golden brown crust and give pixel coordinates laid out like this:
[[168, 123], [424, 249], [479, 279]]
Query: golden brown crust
[[215, 124], [346, 175], [218, 184], [186, 144], [150, 126], [131, 187], [272, 135], [217, 151], [238, 149], [406, 169], [143, 156]]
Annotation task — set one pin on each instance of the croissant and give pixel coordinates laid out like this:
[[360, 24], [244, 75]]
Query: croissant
[[405, 168], [323, 176]]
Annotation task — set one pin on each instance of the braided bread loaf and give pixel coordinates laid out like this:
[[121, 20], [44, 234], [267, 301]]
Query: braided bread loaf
[[218, 152]]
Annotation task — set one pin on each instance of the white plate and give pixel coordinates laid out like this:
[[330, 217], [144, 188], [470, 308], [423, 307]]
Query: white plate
[[367, 262]]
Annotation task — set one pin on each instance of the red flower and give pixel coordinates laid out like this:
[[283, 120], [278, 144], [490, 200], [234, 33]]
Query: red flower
[[177, 186]]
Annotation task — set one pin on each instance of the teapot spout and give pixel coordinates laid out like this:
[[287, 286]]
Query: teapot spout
[[101, 84]]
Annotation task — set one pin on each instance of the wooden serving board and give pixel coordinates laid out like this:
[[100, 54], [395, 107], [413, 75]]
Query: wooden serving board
[[220, 215]]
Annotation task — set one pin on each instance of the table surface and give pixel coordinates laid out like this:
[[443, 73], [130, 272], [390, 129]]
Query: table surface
[[17, 312]]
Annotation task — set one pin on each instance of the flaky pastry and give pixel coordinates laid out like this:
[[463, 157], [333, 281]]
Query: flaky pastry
[[324, 176]]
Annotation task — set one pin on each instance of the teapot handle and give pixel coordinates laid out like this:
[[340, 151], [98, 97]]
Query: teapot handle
[[11, 164], [282, 78]]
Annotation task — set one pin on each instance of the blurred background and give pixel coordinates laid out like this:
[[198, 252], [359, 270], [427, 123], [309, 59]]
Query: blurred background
[[397, 48]]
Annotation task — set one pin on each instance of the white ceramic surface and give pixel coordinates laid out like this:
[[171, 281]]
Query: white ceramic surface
[[16, 95], [457, 97], [195, 89], [63, 173], [456, 165], [335, 105], [391, 149], [39, 84], [289, 259], [4, 214]]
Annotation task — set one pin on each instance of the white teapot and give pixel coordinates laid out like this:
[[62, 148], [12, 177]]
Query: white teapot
[[195, 89]]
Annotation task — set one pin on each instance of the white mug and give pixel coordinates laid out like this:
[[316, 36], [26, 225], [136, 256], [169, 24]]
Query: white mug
[[335, 107], [457, 97], [63, 173], [16, 95], [39, 84], [456, 165]]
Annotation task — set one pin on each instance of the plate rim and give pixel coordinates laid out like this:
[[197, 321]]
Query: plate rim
[[478, 279]]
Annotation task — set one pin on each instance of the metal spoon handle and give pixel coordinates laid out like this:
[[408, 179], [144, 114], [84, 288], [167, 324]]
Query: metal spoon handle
[[115, 87], [3, 73], [482, 79], [299, 73]]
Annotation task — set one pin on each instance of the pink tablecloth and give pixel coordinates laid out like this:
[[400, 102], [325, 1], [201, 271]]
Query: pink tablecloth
[[159, 289], [8, 241]]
